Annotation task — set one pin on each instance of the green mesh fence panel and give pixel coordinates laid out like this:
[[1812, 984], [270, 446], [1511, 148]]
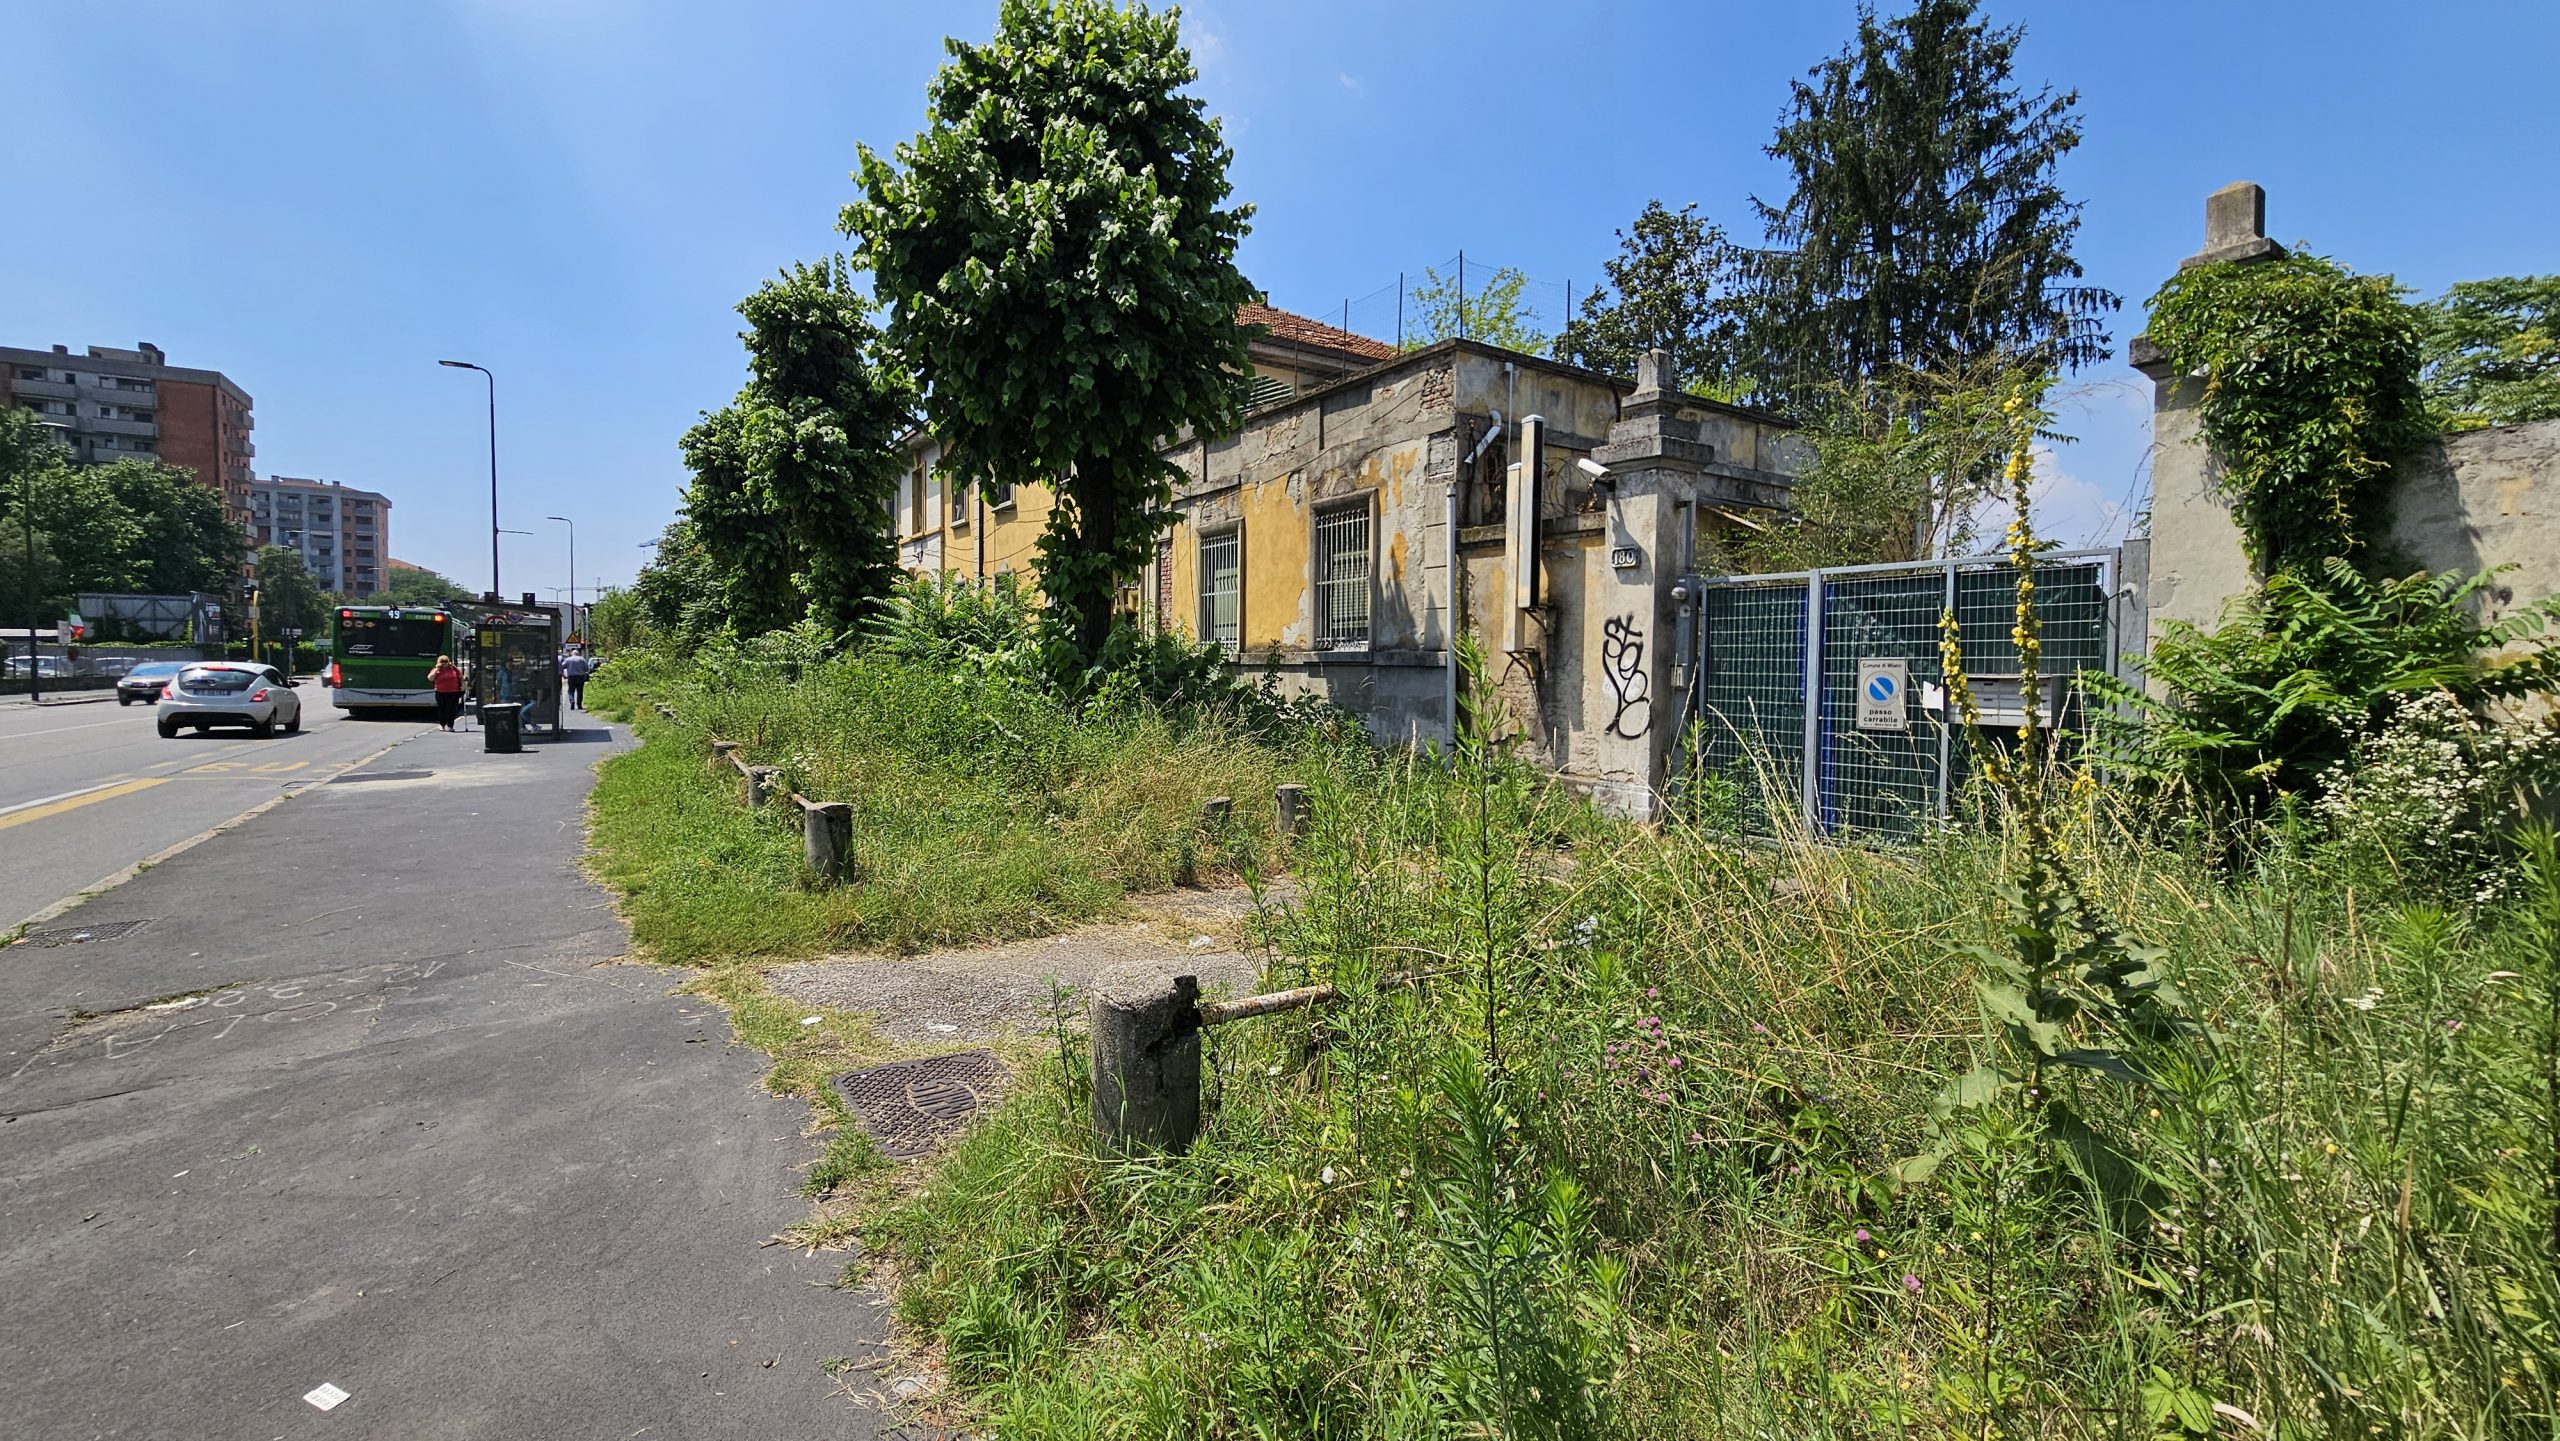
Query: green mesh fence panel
[[1751, 746], [1882, 783], [1750, 711]]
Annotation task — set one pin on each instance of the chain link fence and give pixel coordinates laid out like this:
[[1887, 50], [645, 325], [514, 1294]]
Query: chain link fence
[[1871, 750]]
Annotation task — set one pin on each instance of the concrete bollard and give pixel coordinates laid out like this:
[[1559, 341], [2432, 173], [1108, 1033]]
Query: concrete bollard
[[826, 834], [760, 783], [1214, 812], [1146, 1069], [721, 750], [1293, 809]]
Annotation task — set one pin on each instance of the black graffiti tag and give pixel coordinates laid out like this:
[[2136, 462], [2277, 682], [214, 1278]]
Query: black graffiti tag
[[1622, 656]]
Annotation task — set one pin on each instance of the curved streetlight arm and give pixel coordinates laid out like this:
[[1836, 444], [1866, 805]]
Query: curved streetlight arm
[[573, 557], [494, 591]]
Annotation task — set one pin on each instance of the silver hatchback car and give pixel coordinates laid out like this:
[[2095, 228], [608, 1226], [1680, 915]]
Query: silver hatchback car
[[235, 693]]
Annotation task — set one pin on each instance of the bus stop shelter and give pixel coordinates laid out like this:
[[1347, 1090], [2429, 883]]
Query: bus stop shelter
[[515, 660]]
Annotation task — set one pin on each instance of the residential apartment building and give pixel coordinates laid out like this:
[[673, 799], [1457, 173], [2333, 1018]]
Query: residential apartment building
[[1377, 503], [342, 534], [115, 404]]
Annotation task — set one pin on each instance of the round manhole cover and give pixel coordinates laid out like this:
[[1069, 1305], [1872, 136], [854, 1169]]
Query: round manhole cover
[[910, 1105]]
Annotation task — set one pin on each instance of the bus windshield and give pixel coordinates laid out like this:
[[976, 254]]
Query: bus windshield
[[380, 635]]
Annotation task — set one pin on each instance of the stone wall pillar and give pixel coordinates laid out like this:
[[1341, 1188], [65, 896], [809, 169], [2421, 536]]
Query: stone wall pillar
[[2197, 562], [1629, 708]]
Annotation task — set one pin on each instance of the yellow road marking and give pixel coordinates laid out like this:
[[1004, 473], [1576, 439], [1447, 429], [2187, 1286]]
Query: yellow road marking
[[19, 818], [266, 768]]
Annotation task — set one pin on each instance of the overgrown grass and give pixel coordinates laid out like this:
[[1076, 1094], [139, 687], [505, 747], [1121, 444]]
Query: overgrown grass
[[1623, 1133], [1632, 1162], [983, 808]]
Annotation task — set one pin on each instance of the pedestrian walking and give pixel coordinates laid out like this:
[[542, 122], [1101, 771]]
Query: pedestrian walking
[[446, 678], [574, 669]]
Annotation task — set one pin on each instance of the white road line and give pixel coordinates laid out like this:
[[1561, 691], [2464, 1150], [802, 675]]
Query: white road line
[[57, 730], [108, 883], [66, 795]]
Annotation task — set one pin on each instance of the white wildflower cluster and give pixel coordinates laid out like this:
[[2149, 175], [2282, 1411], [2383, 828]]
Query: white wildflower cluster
[[2428, 797]]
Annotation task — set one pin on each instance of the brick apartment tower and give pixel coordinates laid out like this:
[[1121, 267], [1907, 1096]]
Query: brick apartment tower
[[115, 404]]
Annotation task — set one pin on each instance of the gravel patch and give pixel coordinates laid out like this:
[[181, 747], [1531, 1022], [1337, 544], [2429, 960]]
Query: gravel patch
[[981, 993]]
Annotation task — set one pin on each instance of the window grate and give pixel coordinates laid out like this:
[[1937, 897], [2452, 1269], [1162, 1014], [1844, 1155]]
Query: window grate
[[1342, 578], [1221, 590]]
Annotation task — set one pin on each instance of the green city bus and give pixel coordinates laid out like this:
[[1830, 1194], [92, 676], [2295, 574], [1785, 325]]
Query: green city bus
[[379, 655]]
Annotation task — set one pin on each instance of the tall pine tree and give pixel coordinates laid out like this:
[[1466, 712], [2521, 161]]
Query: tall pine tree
[[1925, 230]]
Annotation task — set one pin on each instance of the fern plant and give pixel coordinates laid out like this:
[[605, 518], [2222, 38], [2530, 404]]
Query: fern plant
[[2274, 701]]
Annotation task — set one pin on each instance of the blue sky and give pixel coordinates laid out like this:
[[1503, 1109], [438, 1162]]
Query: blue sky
[[323, 199]]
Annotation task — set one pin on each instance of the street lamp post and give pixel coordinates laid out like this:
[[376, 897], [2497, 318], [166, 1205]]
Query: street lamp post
[[35, 596], [495, 593], [573, 567]]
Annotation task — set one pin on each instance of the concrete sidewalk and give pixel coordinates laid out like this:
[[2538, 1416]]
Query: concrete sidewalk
[[412, 1132]]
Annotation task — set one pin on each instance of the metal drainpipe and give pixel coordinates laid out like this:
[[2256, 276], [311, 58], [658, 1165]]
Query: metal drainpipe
[[1449, 641]]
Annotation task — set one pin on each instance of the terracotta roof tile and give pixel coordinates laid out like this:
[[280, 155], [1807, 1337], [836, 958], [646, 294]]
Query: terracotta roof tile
[[1290, 327]]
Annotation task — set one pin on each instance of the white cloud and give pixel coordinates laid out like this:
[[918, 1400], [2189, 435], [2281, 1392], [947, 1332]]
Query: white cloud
[[1349, 81], [2065, 507], [1208, 47]]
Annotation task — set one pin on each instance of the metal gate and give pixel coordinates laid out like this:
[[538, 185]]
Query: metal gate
[[1777, 747]]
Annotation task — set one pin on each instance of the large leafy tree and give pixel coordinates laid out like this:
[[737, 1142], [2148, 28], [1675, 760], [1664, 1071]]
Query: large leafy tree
[[1671, 288], [288, 598], [679, 592], [183, 542], [822, 417], [29, 450], [2492, 350], [732, 514], [1924, 229], [133, 525], [417, 585], [794, 481], [615, 621], [1490, 309], [1897, 472], [96, 542], [1059, 252]]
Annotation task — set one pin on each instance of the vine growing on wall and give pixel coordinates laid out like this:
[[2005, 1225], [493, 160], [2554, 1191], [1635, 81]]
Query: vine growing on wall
[[2310, 394]]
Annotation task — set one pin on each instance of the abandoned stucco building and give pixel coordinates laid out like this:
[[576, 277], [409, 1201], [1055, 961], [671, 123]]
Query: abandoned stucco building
[[948, 528], [1316, 543]]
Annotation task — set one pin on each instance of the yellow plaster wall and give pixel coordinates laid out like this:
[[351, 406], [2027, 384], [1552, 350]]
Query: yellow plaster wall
[[1277, 609]]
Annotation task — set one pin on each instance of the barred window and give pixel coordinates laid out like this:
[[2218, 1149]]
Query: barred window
[[1222, 590], [1342, 578]]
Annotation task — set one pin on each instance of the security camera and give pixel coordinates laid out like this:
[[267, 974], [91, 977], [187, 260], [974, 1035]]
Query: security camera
[[1592, 468]]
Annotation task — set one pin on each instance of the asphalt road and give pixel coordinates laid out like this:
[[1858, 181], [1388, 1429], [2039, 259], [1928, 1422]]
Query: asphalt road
[[89, 789], [413, 1129]]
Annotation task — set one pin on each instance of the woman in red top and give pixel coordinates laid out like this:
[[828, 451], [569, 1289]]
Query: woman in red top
[[447, 680]]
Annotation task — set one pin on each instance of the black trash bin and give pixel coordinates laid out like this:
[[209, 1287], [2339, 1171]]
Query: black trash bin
[[502, 727]]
